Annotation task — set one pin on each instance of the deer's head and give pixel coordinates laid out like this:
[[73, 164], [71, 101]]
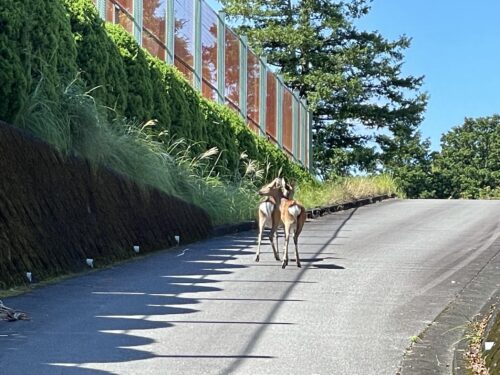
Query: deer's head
[[278, 188], [272, 188], [288, 189]]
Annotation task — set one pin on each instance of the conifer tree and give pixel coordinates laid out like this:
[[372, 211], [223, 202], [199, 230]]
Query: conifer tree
[[351, 78]]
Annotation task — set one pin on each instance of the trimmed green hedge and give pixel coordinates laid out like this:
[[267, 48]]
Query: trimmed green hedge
[[57, 38], [98, 58], [35, 43]]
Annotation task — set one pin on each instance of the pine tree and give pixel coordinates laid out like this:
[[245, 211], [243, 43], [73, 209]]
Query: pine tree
[[351, 78]]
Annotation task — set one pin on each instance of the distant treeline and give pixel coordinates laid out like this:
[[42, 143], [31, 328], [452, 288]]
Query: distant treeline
[[468, 165]]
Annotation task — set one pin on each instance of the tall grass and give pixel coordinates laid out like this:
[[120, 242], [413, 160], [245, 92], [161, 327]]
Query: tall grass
[[346, 189], [76, 124]]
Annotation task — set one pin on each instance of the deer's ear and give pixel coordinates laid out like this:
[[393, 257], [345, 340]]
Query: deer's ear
[[283, 182]]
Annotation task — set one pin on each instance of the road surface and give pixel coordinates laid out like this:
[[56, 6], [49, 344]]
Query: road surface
[[371, 279]]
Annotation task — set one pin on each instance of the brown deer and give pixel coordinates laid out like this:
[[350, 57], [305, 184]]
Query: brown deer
[[288, 212], [293, 217], [269, 213]]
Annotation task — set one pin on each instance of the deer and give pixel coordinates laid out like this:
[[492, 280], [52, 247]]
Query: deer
[[269, 213], [292, 215]]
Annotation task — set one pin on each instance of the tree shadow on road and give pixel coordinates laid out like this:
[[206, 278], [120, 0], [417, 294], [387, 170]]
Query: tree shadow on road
[[98, 318]]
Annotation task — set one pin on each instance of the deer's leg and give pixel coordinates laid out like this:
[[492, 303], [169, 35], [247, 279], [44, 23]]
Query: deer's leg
[[277, 246], [259, 239], [285, 248], [274, 231], [295, 241]]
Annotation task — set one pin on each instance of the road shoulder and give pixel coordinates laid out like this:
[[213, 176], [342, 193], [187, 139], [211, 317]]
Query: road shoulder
[[440, 346]]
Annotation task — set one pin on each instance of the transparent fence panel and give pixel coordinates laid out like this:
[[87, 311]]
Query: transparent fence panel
[[298, 135], [120, 12], [287, 120], [271, 106], [169, 26], [253, 81], [184, 38], [153, 36], [209, 22], [232, 67]]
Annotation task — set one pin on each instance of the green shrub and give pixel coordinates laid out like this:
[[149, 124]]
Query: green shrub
[[140, 85], [35, 43], [54, 39], [186, 118], [98, 57]]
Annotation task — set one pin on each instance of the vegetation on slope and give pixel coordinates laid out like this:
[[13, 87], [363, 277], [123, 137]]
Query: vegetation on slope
[[131, 112]]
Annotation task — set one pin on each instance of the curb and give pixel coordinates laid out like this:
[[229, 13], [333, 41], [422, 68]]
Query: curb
[[311, 214], [459, 364], [321, 211]]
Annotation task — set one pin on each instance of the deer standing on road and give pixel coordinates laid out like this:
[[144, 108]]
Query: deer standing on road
[[269, 214], [293, 217], [278, 209]]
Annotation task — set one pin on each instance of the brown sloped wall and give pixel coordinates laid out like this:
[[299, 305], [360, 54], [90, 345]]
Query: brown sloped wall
[[56, 211]]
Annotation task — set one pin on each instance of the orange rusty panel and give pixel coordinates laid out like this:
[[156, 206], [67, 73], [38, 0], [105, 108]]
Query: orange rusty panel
[[209, 21], [287, 120], [153, 36], [253, 126], [271, 105], [184, 38], [120, 12], [152, 44], [253, 79], [208, 90], [232, 106], [232, 68], [128, 5], [184, 69]]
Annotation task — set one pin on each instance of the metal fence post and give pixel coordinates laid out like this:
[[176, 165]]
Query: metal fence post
[[101, 7], [197, 45], [243, 75], [303, 131], [170, 31], [310, 140], [137, 28], [221, 58], [263, 95]]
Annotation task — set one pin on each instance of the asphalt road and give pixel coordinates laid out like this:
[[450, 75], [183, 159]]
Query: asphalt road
[[371, 278]]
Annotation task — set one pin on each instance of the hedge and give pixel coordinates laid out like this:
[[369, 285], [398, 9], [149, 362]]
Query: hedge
[[63, 37], [35, 43]]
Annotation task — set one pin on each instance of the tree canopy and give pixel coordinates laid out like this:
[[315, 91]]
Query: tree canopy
[[468, 165], [352, 79]]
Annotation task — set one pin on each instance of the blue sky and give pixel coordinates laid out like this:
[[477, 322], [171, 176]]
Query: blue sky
[[455, 45]]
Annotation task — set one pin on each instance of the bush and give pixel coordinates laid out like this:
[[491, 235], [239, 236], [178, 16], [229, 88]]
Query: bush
[[44, 39], [35, 43], [98, 57]]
